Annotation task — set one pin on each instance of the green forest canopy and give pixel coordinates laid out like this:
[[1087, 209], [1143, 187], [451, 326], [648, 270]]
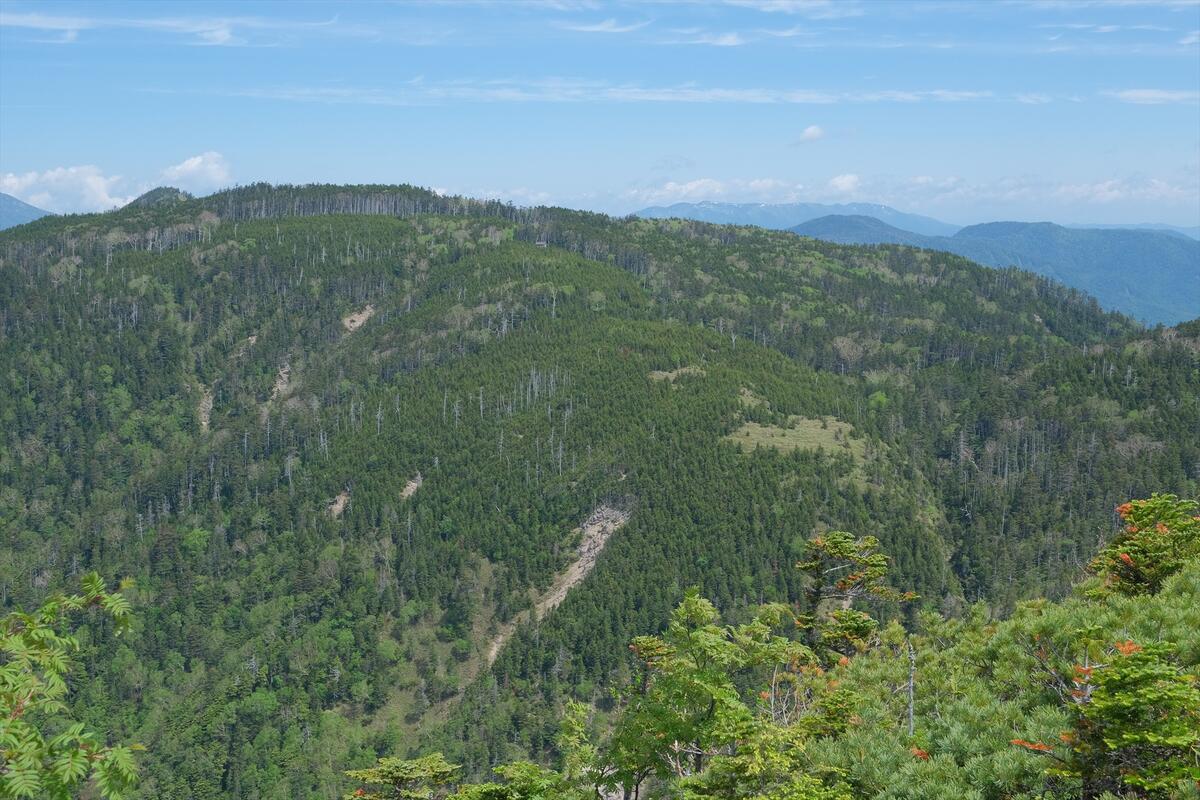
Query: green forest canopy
[[343, 438]]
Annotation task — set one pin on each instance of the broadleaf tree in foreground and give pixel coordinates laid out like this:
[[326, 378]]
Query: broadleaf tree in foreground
[[43, 753]]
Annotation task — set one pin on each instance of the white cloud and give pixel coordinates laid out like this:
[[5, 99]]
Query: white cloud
[[1115, 189], [88, 188], [677, 191], [767, 185], [67, 189], [765, 190], [201, 173], [845, 184], [1105, 199], [1026, 197], [1016, 197], [1102, 192], [520, 195], [812, 133], [1191, 38], [607, 26], [1155, 96], [816, 9], [1034, 98]]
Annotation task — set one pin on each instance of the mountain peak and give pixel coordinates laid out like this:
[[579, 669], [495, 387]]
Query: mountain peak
[[161, 196], [17, 212]]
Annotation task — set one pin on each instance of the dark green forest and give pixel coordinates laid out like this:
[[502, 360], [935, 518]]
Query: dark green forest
[[349, 444]]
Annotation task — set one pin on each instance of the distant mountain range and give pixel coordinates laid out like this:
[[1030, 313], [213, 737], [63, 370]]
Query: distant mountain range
[[1190, 232], [16, 212], [1149, 274], [784, 216], [781, 216]]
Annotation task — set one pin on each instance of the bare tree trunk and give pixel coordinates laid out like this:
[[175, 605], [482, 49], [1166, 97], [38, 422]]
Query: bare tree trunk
[[912, 676]]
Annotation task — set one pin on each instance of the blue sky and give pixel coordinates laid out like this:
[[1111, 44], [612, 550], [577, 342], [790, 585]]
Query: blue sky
[[1081, 111]]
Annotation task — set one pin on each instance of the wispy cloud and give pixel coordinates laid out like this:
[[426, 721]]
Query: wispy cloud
[[226, 31], [1072, 5], [561, 90], [1096, 27], [605, 26], [730, 39], [1155, 97], [1190, 39], [703, 37], [815, 9], [788, 33]]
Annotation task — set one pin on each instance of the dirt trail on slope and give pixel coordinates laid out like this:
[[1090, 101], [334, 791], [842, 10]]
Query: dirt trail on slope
[[596, 530], [283, 380], [204, 409], [411, 487], [339, 504], [353, 322], [282, 387]]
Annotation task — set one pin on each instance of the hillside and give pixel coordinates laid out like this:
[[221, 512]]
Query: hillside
[[15, 212], [1151, 275], [785, 215], [395, 469]]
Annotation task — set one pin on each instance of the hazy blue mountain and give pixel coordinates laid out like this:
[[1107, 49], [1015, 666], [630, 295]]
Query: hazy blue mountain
[[858, 229], [1151, 275], [783, 216], [17, 212], [1191, 232]]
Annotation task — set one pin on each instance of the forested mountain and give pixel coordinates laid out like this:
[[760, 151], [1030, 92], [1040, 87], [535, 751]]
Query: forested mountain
[[16, 212], [1151, 275], [393, 470], [859, 229], [785, 215]]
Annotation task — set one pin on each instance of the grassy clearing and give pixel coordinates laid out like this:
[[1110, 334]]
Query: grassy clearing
[[660, 375], [749, 399], [826, 433]]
